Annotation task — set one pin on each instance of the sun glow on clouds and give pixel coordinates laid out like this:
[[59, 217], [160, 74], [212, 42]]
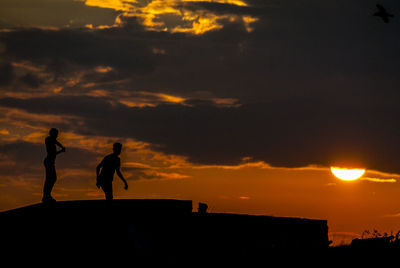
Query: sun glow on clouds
[[103, 69], [174, 15], [4, 132], [346, 174], [379, 180], [148, 99], [169, 98], [112, 4]]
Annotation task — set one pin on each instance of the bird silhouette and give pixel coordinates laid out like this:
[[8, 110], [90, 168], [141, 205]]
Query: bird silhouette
[[383, 14]]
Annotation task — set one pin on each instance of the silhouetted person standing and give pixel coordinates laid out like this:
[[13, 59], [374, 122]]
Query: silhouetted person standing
[[49, 163], [105, 171]]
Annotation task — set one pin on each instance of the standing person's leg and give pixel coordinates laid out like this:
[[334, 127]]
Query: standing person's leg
[[107, 189], [51, 178]]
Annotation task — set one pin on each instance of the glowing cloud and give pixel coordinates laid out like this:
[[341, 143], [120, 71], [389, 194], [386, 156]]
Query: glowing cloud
[[4, 132], [149, 99], [174, 15], [169, 98], [118, 5], [103, 69], [379, 180]]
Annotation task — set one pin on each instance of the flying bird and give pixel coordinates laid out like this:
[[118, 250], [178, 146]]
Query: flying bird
[[383, 13]]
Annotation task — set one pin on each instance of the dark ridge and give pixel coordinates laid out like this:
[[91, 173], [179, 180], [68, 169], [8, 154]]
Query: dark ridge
[[154, 229]]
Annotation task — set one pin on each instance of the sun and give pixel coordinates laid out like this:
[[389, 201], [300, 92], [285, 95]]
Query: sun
[[347, 174]]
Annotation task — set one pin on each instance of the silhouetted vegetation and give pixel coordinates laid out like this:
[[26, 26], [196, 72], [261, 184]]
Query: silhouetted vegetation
[[375, 239]]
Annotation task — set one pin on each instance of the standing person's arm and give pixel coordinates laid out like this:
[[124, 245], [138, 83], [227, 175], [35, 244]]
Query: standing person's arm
[[61, 146], [118, 170], [99, 166]]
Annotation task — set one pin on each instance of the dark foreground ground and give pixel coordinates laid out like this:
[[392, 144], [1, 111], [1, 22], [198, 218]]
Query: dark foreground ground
[[160, 232]]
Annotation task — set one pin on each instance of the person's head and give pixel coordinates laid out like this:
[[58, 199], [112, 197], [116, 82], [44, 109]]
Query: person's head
[[117, 147], [53, 132]]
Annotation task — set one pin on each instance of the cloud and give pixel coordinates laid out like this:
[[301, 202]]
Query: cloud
[[293, 133], [56, 14], [6, 73], [303, 88], [378, 179], [81, 47], [377, 176], [125, 50], [193, 17], [26, 158], [31, 80], [288, 53], [139, 173]]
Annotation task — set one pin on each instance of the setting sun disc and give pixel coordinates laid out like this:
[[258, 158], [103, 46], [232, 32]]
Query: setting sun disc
[[347, 174]]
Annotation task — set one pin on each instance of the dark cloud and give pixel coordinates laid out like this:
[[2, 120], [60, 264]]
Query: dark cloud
[[130, 51], [82, 48], [31, 80], [317, 82], [290, 133], [6, 73], [28, 159], [307, 48], [140, 173]]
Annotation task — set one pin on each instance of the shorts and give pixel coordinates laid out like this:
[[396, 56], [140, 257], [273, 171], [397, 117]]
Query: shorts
[[51, 174], [107, 189]]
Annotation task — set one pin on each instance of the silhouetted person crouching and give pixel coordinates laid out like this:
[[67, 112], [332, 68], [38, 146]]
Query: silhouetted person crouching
[[49, 164], [105, 171]]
